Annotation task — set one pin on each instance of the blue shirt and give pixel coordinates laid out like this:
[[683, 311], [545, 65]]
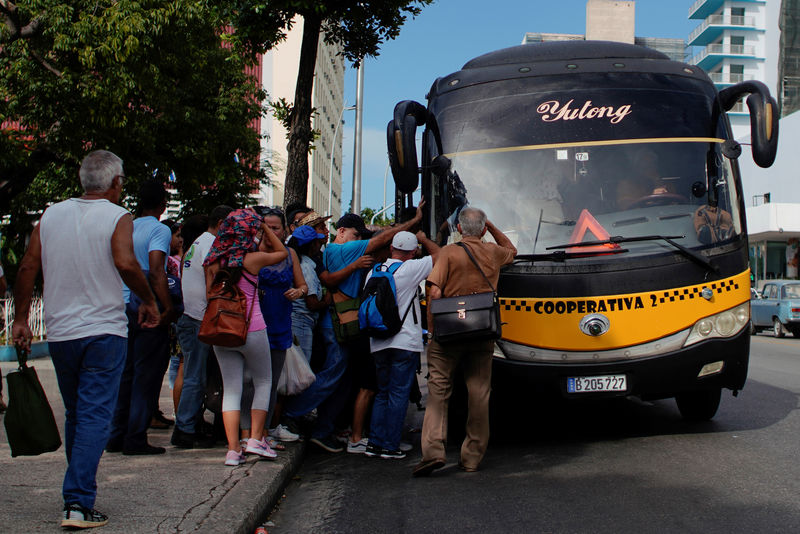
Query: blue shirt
[[336, 258], [148, 235]]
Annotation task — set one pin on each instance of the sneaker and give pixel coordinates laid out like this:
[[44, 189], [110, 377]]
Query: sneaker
[[76, 516], [234, 458], [282, 433], [392, 455], [359, 447], [405, 447], [260, 448], [328, 443], [372, 450], [292, 426], [343, 437], [274, 444]]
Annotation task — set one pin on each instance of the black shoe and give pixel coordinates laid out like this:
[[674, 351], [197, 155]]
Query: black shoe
[[372, 450], [147, 449], [185, 440], [113, 446], [159, 421], [76, 516], [328, 443], [392, 455]]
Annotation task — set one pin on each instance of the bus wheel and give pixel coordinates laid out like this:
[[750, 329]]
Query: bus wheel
[[699, 405], [777, 328]]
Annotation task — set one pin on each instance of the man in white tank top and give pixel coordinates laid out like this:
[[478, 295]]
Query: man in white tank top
[[84, 247]]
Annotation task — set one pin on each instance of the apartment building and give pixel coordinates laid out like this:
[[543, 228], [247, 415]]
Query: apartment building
[[741, 40], [279, 77]]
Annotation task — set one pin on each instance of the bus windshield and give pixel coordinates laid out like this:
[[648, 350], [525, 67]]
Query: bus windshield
[[544, 196]]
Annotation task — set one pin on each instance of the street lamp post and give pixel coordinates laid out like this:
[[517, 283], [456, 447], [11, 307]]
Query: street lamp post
[[333, 152]]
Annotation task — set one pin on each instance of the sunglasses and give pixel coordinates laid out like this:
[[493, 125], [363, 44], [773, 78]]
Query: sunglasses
[[273, 210]]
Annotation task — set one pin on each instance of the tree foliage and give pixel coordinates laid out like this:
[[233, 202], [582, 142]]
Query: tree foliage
[[358, 27], [150, 80]]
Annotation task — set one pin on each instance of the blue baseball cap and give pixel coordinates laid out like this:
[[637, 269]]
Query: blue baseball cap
[[305, 234]]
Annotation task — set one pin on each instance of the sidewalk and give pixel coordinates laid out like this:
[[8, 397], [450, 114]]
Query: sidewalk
[[180, 491]]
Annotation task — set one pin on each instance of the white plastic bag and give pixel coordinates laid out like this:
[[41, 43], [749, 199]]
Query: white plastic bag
[[297, 374]]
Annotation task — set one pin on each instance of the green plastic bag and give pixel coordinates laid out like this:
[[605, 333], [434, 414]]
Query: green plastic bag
[[30, 425]]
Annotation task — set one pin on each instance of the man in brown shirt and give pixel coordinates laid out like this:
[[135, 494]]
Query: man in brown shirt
[[453, 275]]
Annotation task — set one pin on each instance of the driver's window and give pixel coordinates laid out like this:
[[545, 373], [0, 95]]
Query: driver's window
[[772, 292]]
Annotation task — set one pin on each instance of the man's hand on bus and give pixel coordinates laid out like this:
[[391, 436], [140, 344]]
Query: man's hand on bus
[[418, 214]]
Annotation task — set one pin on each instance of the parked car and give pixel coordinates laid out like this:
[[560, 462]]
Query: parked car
[[778, 308]]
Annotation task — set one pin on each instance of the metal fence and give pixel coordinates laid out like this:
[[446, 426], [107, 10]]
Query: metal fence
[[35, 318]]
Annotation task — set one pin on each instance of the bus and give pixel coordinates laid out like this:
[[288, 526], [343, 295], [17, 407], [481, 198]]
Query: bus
[[614, 172]]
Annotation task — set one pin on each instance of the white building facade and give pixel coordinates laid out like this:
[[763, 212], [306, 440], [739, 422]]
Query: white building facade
[[732, 45], [279, 79], [742, 40]]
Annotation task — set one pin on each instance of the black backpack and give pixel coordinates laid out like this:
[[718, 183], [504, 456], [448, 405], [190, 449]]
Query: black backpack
[[378, 315]]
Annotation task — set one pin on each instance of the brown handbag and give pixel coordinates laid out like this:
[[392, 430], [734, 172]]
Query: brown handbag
[[226, 319]]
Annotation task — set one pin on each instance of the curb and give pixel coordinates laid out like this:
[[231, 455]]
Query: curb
[[242, 502], [39, 349]]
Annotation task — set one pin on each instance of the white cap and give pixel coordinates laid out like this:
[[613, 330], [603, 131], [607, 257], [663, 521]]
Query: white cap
[[404, 241]]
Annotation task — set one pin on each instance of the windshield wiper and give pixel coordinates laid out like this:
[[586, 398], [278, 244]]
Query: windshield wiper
[[560, 255], [686, 252]]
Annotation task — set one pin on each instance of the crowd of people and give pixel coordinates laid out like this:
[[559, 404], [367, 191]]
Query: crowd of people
[[119, 291]]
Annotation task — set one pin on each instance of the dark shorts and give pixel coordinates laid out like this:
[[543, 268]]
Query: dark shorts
[[362, 366]]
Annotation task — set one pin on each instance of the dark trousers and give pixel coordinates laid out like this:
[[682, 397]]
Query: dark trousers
[[139, 389]]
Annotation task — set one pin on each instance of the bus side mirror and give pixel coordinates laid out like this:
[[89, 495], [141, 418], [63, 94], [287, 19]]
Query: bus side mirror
[[763, 118], [400, 140]]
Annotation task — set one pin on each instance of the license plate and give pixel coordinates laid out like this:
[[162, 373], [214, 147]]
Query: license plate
[[591, 384]]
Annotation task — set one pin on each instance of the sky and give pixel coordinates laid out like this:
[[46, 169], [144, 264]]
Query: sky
[[439, 41]]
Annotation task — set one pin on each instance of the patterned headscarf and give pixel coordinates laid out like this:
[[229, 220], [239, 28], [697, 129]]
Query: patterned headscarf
[[236, 237]]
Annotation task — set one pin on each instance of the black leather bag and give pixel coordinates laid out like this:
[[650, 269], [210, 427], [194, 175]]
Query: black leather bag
[[466, 318]]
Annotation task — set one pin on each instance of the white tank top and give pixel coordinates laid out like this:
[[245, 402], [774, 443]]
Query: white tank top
[[82, 287]]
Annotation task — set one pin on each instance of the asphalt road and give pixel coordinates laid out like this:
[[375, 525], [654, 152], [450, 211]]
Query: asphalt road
[[619, 466]]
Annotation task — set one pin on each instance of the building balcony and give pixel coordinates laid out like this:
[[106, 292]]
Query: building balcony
[[724, 79], [713, 26], [715, 52], [703, 8]]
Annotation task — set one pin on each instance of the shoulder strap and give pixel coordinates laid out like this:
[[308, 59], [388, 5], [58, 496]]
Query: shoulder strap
[[466, 249], [391, 270]]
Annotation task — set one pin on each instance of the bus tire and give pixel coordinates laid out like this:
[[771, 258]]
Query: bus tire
[[700, 405], [777, 328]]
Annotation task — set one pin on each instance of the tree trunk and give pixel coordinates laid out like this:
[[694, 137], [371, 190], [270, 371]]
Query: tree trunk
[[296, 188]]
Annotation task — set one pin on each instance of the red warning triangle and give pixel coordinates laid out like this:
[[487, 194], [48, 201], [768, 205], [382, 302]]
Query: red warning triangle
[[587, 223]]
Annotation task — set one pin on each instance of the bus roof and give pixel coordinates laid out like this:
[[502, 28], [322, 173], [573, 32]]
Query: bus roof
[[563, 50], [566, 58]]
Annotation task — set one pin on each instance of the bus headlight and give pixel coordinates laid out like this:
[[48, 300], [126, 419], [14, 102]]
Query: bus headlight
[[723, 324]]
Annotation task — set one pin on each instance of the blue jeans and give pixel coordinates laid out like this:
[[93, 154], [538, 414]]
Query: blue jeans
[[88, 372], [329, 391], [396, 369], [195, 360], [145, 365], [303, 330]]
